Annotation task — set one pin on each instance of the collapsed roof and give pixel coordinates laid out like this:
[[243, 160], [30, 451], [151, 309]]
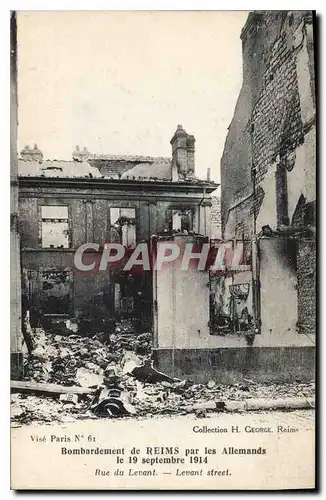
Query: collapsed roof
[[179, 168]]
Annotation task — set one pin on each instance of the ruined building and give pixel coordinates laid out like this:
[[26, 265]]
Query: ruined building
[[268, 183], [64, 204]]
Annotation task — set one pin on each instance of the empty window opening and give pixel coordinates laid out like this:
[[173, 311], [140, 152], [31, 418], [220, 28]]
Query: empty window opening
[[55, 226], [124, 220], [56, 288], [182, 220]]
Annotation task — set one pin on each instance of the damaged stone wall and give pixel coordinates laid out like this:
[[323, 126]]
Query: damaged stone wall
[[216, 229], [89, 220], [278, 291], [240, 219], [268, 168], [274, 114], [181, 318], [276, 118], [112, 168], [306, 264], [236, 161]]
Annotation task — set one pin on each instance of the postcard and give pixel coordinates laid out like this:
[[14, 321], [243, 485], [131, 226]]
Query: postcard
[[163, 250]]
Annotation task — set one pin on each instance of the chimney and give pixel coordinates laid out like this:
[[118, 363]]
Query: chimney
[[191, 153], [80, 155], [179, 150], [208, 178], [29, 154]]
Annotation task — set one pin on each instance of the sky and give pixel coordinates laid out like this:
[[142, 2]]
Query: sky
[[121, 82]]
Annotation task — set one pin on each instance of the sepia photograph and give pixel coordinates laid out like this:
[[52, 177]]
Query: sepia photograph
[[162, 249]]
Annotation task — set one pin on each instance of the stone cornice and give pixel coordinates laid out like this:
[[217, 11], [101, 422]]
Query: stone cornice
[[117, 184]]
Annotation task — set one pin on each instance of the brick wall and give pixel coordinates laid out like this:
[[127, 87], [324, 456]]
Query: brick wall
[[112, 168], [236, 158], [267, 124], [276, 118], [306, 267], [268, 162], [116, 166], [215, 217], [244, 219]]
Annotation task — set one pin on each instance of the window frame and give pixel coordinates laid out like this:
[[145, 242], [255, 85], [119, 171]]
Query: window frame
[[175, 208], [66, 220], [70, 277], [118, 228]]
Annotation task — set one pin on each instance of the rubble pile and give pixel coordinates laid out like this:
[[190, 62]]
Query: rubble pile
[[123, 381], [27, 408], [66, 360]]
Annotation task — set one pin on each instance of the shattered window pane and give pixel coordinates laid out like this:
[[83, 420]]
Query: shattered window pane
[[125, 220], [55, 227]]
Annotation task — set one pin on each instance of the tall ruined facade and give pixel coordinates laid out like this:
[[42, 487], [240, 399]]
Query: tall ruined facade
[[268, 175], [273, 127]]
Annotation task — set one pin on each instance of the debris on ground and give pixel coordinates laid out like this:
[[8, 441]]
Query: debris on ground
[[89, 377], [200, 413], [53, 390], [113, 401], [26, 409], [112, 375], [69, 398], [145, 372]]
